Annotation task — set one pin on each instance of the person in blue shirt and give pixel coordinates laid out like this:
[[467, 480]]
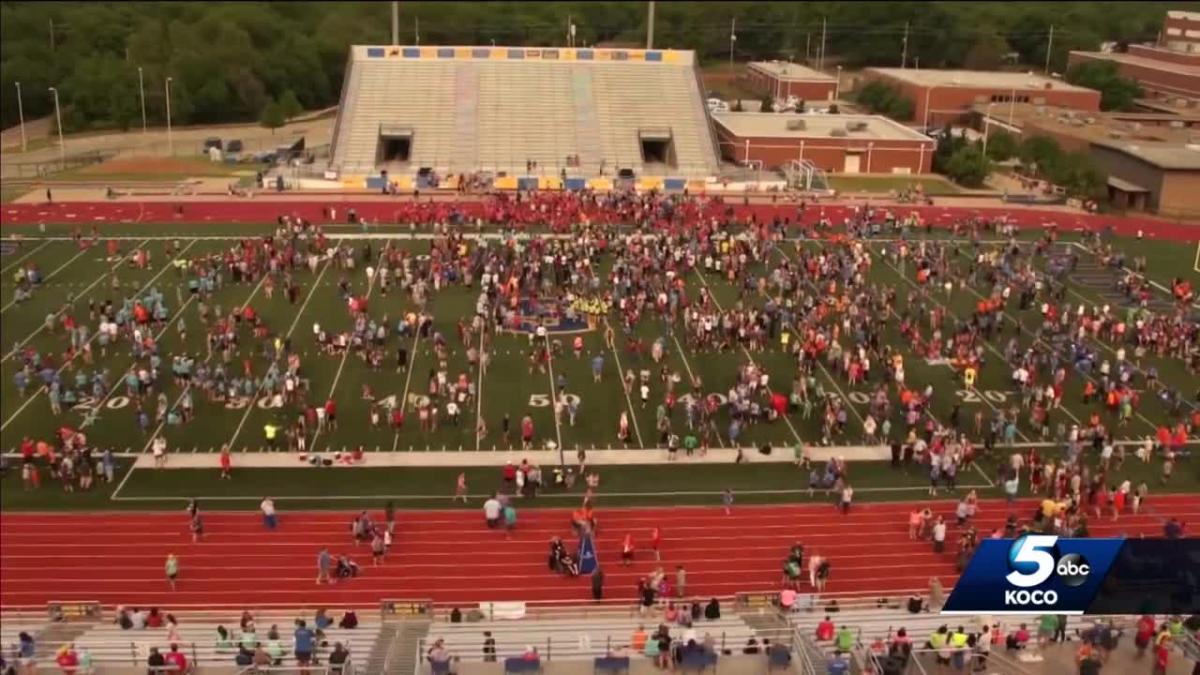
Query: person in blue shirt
[[305, 642], [838, 665]]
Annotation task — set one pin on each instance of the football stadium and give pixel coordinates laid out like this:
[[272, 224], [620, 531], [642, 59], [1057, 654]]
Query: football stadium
[[589, 349]]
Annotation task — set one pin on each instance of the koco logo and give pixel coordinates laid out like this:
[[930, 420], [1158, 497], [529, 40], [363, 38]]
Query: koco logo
[[1031, 561]]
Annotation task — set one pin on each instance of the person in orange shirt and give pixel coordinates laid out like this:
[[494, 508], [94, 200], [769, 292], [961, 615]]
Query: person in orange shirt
[[627, 550], [638, 642]]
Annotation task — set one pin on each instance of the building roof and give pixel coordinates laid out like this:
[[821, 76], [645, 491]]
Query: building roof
[[1169, 156], [1187, 16], [1091, 126], [791, 72], [976, 79], [1144, 62], [775, 125]]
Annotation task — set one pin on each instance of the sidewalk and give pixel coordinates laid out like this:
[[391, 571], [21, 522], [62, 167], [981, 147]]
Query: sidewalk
[[780, 455]]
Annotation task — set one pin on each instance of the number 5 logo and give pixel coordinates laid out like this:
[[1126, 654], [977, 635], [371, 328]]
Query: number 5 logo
[[1031, 550]]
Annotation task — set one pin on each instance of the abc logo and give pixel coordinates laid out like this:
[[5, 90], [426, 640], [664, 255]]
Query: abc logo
[[1031, 560], [1072, 569]]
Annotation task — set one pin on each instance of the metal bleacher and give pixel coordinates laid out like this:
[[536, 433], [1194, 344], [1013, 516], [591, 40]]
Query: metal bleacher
[[107, 644], [500, 114], [575, 638]]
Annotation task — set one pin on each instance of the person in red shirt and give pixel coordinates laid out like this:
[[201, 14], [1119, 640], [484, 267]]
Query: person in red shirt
[[67, 659], [1162, 656], [1145, 633], [331, 414], [177, 660], [226, 463], [627, 550], [655, 541], [825, 630], [27, 449]]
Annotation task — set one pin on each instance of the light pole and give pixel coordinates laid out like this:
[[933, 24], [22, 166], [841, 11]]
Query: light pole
[[170, 140], [987, 125], [62, 148], [142, 92], [21, 116], [837, 86]]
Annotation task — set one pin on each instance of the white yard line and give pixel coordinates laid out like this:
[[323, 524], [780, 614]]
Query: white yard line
[[987, 344], [188, 386], [312, 291], [712, 295], [1017, 322], [692, 377], [479, 387], [338, 376], [412, 360], [12, 265], [825, 371], [34, 395], [48, 277], [81, 294], [554, 402], [621, 383]]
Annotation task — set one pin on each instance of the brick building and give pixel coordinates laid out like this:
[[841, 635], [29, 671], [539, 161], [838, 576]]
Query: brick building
[[1169, 70], [1151, 160], [942, 96], [782, 79], [835, 143]]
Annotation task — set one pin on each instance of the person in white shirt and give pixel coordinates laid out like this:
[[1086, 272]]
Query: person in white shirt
[[268, 511], [159, 447], [491, 511]]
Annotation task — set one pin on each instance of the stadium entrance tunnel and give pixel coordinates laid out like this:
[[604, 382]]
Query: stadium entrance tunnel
[[658, 146], [395, 144]]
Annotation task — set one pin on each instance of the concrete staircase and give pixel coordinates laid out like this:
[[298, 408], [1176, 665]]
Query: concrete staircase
[[399, 652]]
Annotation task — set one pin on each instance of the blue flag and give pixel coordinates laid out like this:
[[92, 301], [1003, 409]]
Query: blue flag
[[587, 555]]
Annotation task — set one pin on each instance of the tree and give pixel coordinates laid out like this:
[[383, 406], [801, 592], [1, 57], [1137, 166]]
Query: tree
[[768, 104], [1001, 145], [884, 99], [1116, 92], [968, 167], [289, 105], [987, 53], [1039, 151], [272, 116]]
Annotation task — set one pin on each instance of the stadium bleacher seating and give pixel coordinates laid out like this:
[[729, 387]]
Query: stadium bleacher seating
[[575, 639], [497, 115], [108, 643]]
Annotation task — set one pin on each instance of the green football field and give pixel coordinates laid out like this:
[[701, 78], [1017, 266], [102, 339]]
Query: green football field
[[73, 277]]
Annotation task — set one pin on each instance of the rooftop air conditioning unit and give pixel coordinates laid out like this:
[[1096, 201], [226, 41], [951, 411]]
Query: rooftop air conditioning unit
[[839, 133], [1116, 135], [1176, 124], [796, 125], [1090, 120], [856, 126]]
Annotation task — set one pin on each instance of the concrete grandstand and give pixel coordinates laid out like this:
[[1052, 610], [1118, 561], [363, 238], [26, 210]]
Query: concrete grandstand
[[521, 111]]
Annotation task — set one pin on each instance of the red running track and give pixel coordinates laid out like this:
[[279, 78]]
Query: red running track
[[265, 211], [451, 557]]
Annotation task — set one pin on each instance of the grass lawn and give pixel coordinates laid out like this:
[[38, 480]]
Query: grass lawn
[[509, 387], [9, 194], [881, 184], [154, 169], [433, 487]]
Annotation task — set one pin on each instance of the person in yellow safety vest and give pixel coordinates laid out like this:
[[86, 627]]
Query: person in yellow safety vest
[[270, 431], [969, 377]]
